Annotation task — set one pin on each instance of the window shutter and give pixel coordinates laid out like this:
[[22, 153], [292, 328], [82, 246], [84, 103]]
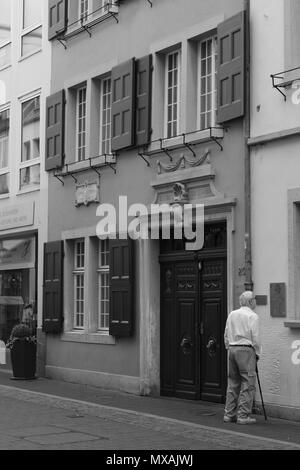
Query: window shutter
[[57, 17], [121, 288], [55, 122], [231, 68], [123, 104], [143, 104], [53, 287]]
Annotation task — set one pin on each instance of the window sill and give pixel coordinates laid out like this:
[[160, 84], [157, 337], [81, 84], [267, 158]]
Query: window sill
[[26, 191], [179, 142], [89, 338], [4, 67], [293, 324], [4, 196], [29, 55]]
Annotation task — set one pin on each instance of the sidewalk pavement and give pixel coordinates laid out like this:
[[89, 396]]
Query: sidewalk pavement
[[184, 417]]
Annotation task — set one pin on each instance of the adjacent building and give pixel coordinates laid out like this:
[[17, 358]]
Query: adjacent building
[[274, 143], [24, 85]]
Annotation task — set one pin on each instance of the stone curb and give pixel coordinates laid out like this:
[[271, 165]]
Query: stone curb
[[232, 439]]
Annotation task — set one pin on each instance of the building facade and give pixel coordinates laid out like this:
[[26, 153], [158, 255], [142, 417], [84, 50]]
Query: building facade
[[133, 112], [24, 85], [275, 197]]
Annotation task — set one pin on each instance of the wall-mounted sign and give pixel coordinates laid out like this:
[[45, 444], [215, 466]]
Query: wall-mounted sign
[[86, 194], [278, 300], [16, 216]]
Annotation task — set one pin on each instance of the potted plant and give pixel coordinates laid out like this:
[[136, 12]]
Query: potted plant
[[22, 347]]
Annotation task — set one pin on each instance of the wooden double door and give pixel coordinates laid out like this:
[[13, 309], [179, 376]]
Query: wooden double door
[[193, 318]]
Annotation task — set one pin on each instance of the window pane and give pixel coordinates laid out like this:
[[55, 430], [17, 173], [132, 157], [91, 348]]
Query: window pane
[[32, 41], [207, 79], [173, 94], [5, 55], [4, 188], [32, 13], [5, 21], [31, 129], [30, 177], [105, 112], [4, 139], [81, 124]]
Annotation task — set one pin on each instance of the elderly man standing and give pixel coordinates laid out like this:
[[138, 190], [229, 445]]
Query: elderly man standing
[[243, 342]]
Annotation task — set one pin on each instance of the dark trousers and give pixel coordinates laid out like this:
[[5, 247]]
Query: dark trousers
[[241, 382]]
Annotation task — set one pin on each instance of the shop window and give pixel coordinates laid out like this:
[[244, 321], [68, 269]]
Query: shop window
[[17, 285], [172, 93], [207, 95], [103, 285], [78, 275], [81, 124], [30, 168], [105, 116], [31, 35]]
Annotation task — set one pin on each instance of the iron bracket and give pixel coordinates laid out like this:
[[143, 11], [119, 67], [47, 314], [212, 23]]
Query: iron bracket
[[166, 151], [61, 41], [188, 146], [276, 86], [151, 4], [142, 155], [86, 29], [58, 178]]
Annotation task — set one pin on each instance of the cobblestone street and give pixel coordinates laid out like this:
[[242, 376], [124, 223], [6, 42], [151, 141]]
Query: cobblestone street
[[30, 422]]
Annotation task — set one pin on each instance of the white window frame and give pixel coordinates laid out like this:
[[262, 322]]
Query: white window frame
[[33, 161], [79, 272], [103, 270], [81, 150], [29, 29], [104, 142], [178, 103], [208, 77], [6, 170]]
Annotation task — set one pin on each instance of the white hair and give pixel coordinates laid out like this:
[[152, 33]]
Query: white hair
[[246, 299]]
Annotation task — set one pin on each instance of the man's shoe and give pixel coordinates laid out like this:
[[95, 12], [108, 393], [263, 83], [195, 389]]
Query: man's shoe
[[247, 420], [228, 419]]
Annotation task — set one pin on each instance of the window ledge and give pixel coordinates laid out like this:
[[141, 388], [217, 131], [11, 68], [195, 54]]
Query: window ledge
[[4, 196], [26, 191], [293, 324], [5, 67], [89, 338], [29, 55], [180, 141]]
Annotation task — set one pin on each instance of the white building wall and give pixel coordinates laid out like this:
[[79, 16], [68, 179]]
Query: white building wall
[[275, 168]]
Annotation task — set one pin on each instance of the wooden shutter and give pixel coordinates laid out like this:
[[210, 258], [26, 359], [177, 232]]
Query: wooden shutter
[[123, 105], [143, 100], [55, 122], [231, 68], [121, 288], [57, 17], [53, 287]]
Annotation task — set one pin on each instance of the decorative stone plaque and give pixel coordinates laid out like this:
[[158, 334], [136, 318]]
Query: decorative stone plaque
[[87, 193], [278, 300]]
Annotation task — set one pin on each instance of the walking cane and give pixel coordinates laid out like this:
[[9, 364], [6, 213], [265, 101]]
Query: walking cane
[[261, 395]]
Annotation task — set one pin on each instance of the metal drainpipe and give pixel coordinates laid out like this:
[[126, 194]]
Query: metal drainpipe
[[247, 155]]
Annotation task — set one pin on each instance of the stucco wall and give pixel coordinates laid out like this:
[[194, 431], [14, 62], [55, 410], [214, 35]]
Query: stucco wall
[[141, 30], [275, 170]]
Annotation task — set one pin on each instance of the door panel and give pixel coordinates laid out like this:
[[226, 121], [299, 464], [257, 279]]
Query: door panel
[[213, 314]]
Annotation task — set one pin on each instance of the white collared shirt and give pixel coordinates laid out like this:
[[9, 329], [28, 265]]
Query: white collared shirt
[[242, 327]]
